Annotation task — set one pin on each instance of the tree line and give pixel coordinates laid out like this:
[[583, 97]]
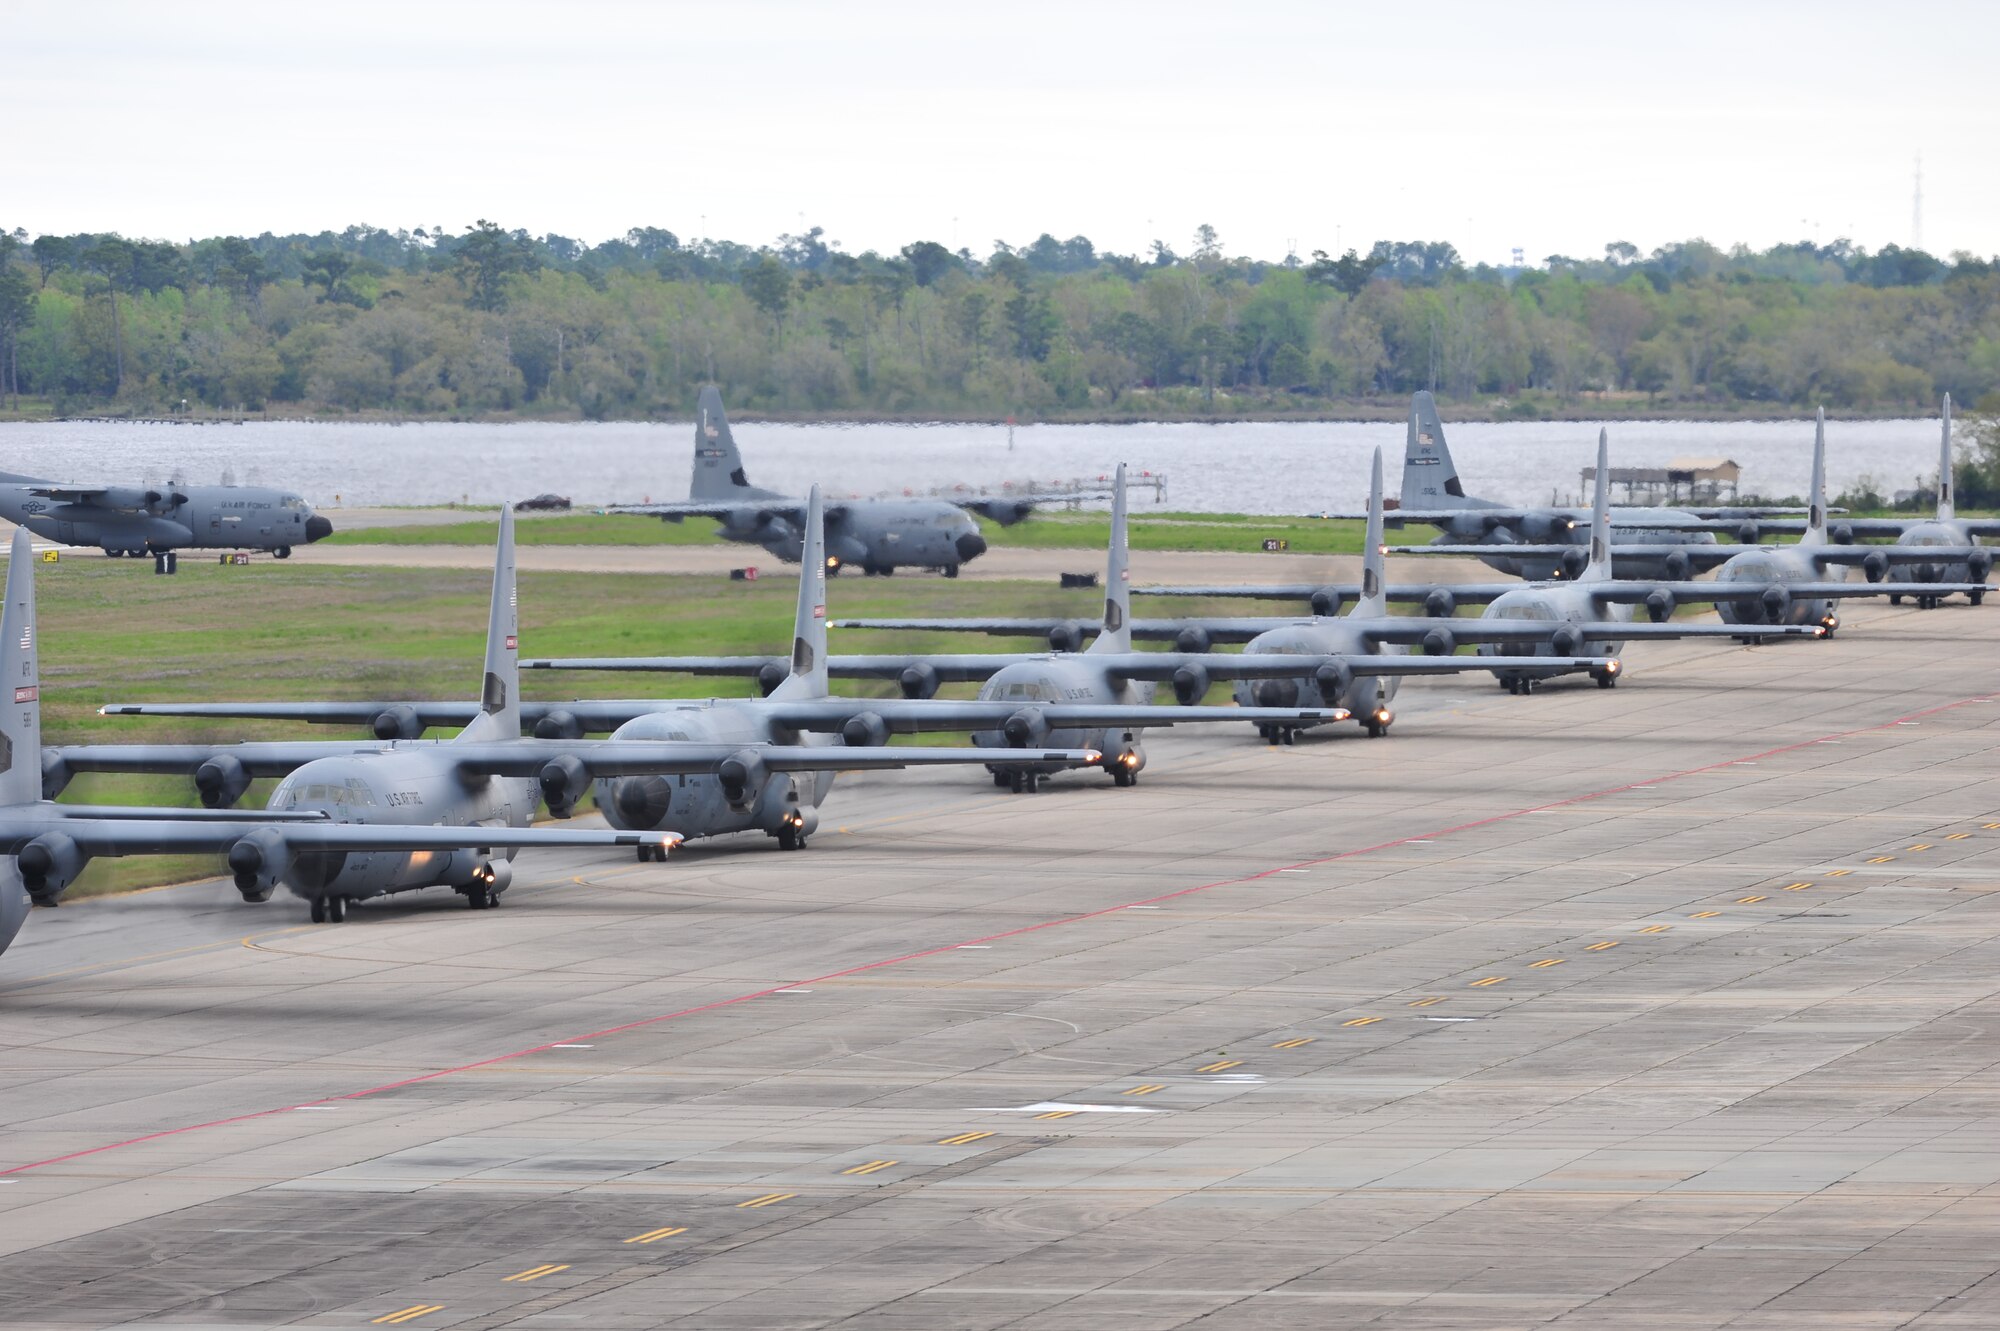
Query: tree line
[[487, 320]]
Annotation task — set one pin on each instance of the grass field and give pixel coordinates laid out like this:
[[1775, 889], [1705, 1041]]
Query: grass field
[[1051, 530]]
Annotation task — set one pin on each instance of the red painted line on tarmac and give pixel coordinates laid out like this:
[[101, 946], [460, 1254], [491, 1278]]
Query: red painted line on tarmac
[[867, 966]]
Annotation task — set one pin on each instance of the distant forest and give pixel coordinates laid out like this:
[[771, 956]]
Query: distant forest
[[491, 322]]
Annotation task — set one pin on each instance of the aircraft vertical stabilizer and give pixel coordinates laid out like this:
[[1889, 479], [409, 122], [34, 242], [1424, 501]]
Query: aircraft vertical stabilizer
[[1815, 532], [1599, 567], [500, 690], [1374, 590], [1117, 635], [1430, 479], [21, 728], [1947, 505], [718, 467], [808, 677]]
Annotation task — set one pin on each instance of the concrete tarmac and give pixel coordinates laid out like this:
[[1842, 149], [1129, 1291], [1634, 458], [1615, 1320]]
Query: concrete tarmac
[[1673, 1005]]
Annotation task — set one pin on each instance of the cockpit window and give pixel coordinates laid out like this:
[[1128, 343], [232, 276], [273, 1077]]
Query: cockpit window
[[351, 793]]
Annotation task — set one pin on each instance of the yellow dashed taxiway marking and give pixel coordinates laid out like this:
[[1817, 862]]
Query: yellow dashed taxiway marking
[[1147, 1089], [1599, 947], [536, 1272], [1882, 859], [768, 1199], [1797, 887], [1298, 1043], [1545, 962], [1058, 1113], [1704, 915], [1427, 1002], [965, 1139], [1656, 928], [1221, 1065], [1361, 1021], [871, 1167], [1750, 901], [1491, 979], [1958, 836], [1921, 845], [655, 1235], [408, 1314]]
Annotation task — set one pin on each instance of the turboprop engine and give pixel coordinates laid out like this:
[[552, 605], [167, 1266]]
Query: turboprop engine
[[48, 865], [221, 781], [259, 860], [564, 780]]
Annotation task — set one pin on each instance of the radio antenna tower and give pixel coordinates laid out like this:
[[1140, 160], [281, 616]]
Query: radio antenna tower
[[1917, 207]]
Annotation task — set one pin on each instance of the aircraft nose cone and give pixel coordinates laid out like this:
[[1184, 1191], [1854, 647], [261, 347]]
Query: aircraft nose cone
[[318, 528], [970, 546]]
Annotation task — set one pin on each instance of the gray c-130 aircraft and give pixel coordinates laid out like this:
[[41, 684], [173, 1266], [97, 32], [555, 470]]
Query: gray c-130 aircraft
[[877, 536], [44, 845], [161, 520], [739, 768]]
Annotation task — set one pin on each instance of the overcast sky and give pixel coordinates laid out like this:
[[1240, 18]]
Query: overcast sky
[[1548, 126]]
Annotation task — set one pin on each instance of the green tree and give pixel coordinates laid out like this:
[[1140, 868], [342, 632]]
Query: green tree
[[485, 257], [768, 284]]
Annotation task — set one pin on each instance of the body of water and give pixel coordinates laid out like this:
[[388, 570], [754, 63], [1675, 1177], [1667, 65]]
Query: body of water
[[1278, 467]]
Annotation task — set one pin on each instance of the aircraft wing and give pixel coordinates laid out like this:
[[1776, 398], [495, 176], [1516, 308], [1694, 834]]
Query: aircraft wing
[[1853, 556], [612, 757], [908, 715], [1464, 593], [69, 494], [1688, 519], [792, 510], [1146, 630], [1236, 665], [1010, 509], [403, 720], [965, 667], [1697, 556], [261, 758], [1635, 593], [172, 831]]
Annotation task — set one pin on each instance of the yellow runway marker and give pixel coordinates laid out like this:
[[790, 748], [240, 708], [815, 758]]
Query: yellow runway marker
[[1221, 1065], [655, 1235], [1921, 845], [535, 1273], [1599, 947], [1656, 928], [1704, 915], [1958, 836], [1428, 1002], [1838, 873], [1797, 887], [768, 1199], [873, 1166], [1544, 963], [965, 1139], [1361, 1021], [408, 1314], [1147, 1089], [1299, 1043], [1491, 979], [1750, 901], [1990, 826], [1882, 859], [1058, 1113]]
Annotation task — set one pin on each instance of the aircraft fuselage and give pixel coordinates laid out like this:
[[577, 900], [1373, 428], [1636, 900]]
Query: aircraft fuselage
[[1367, 698], [1065, 679], [146, 521], [873, 535], [695, 805]]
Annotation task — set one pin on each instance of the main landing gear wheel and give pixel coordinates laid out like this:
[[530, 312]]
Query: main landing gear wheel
[[166, 561], [1120, 777], [329, 910], [789, 839], [1002, 780], [1025, 783], [282, 552], [1895, 598], [478, 898], [319, 910], [951, 570], [1605, 679], [1975, 597], [1377, 729]]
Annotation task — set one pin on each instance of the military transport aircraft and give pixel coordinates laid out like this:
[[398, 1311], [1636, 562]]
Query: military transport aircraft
[[1043, 690], [1367, 628], [1434, 494], [877, 536], [798, 704], [44, 845], [490, 776], [161, 520]]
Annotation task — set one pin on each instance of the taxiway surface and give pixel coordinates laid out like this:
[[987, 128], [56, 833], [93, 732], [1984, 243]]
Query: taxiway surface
[[1673, 1005]]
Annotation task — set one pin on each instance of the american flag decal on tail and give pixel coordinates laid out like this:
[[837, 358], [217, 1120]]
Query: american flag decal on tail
[[513, 643], [27, 693]]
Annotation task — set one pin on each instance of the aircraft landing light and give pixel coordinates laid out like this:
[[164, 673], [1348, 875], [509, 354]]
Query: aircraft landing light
[[965, 1139], [768, 1199], [536, 1272], [655, 1235], [410, 1314]]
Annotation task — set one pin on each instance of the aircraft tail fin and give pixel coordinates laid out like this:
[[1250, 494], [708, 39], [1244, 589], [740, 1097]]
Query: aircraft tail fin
[[1815, 532], [1947, 502], [1599, 567], [1117, 634], [21, 724], [808, 677], [1374, 593], [500, 685], [1430, 479], [718, 467]]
